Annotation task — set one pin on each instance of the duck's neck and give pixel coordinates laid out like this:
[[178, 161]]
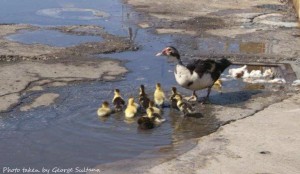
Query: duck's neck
[[177, 56]]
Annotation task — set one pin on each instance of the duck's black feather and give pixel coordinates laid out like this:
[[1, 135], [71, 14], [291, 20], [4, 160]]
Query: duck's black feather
[[215, 68]]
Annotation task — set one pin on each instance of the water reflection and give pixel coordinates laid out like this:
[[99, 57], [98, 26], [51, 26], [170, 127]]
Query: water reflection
[[52, 38]]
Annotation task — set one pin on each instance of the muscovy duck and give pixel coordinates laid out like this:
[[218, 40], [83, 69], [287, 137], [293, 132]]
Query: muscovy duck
[[197, 75]]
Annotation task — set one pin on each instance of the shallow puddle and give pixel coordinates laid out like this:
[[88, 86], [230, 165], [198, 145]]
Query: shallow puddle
[[52, 38]]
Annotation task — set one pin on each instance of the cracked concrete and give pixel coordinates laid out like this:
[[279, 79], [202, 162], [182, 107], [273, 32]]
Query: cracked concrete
[[43, 100], [17, 78], [266, 142], [58, 65]]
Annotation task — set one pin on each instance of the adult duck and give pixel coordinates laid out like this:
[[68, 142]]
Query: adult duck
[[197, 75]]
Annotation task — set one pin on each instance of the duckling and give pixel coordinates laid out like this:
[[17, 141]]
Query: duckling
[[143, 98], [218, 85], [131, 109], [155, 116], [172, 98], [183, 106], [118, 101], [151, 105], [104, 110], [145, 123], [159, 95]]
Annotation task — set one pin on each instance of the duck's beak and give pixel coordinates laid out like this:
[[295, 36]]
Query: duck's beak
[[162, 53], [159, 54]]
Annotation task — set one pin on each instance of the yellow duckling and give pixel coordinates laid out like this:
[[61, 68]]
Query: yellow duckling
[[131, 109], [143, 98], [151, 105], [118, 101], [155, 116], [104, 110], [183, 106], [159, 95], [218, 83], [172, 98]]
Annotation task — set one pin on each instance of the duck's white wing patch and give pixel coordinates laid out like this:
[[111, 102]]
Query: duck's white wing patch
[[201, 83], [182, 75]]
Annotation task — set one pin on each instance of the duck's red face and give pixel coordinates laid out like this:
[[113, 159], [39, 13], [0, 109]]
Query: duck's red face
[[165, 52]]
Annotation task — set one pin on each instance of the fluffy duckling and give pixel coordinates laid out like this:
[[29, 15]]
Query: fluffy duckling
[[151, 105], [118, 101], [172, 98], [145, 123], [104, 110], [131, 109], [218, 85], [159, 95], [155, 116], [143, 98], [184, 107]]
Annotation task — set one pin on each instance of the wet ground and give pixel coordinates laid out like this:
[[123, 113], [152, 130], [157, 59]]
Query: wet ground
[[68, 133]]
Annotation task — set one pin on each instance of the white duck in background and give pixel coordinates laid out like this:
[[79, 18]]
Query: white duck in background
[[268, 73], [197, 75], [238, 72], [255, 74]]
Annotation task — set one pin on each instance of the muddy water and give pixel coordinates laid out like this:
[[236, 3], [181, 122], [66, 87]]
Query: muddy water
[[69, 133]]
